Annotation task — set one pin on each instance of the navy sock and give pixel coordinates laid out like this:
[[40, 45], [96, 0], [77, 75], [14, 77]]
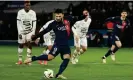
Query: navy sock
[[116, 49], [41, 57], [108, 53], [62, 67]]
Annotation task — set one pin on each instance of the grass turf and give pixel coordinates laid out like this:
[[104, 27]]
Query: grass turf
[[88, 68]]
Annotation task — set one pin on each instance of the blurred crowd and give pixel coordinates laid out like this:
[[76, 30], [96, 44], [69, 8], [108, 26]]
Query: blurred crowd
[[99, 11]]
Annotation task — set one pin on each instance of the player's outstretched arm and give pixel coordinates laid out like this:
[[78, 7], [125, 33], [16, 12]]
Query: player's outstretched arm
[[110, 19], [49, 28]]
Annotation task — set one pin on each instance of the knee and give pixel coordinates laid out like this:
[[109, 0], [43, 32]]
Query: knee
[[67, 56], [78, 49], [21, 45], [84, 49], [50, 57], [119, 46], [29, 45]]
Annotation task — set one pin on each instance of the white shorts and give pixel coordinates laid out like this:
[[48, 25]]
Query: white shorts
[[81, 42], [25, 38], [48, 41]]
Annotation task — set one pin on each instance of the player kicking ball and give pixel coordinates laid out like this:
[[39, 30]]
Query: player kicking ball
[[48, 39], [26, 25], [120, 24], [61, 29], [80, 29]]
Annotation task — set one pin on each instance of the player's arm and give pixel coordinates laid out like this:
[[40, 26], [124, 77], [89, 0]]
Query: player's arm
[[44, 27], [110, 19], [19, 25], [89, 21], [49, 28], [74, 27], [34, 23]]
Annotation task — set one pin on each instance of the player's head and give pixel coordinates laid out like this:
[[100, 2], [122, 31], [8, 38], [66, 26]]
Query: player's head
[[124, 14], [85, 13], [59, 15], [27, 5]]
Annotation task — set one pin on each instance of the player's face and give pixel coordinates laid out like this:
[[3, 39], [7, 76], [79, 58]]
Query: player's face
[[27, 6], [59, 17], [85, 14], [124, 14]]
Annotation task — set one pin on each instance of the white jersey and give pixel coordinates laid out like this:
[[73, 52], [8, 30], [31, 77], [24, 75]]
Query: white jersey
[[26, 22], [81, 27], [51, 34]]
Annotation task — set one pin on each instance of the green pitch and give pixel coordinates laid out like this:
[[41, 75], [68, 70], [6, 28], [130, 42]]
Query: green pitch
[[88, 68]]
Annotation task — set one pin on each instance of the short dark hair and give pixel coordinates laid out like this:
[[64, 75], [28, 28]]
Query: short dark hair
[[26, 1], [58, 11], [123, 11], [85, 9]]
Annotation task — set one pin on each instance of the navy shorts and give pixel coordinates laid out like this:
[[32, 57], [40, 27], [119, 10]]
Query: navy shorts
[[64, 49], [115, 38]]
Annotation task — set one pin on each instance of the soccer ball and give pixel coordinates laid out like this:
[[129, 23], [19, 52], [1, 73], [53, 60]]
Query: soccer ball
[[48, 73]]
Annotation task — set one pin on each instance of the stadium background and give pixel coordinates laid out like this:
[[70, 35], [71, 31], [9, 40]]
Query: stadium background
[[99, 11], [90, 66]]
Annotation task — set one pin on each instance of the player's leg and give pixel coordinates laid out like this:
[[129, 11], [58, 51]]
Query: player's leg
[[76, 51], [48, 48], [83, 45], [49, 45], [83, 48], [21, 41], [65, 55], [109, 52], [118, 45], [52, 54], [29, 45]]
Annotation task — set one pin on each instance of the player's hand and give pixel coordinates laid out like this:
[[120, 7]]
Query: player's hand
[[32, 37], [37, 41], [20, 36], [98, 40]]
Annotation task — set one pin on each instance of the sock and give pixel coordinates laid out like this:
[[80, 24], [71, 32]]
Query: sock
[[41, 57], [47, 52], [116, 49], [76, 53], [28, 53], [62, 67], [108, 53], [20, 50]]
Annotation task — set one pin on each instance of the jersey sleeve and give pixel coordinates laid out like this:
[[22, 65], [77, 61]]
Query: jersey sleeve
[[46, 25], [49, 28], [19, 24], [74, 27]]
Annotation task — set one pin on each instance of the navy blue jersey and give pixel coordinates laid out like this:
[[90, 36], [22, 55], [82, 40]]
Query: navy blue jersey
[[119, 25], [61, 30]]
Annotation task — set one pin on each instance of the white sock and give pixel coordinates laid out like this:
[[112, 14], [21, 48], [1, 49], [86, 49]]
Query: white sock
[[20, 50], [76, 53], [28, 53], [47, 52]]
